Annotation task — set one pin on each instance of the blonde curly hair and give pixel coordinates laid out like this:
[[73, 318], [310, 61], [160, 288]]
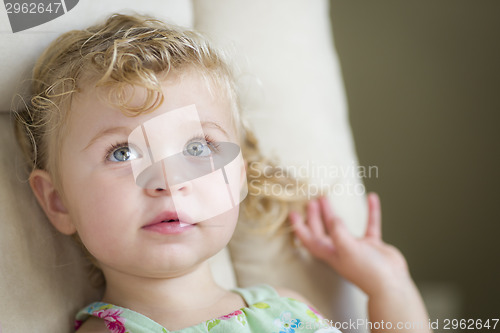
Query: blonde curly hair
[[140, 51]]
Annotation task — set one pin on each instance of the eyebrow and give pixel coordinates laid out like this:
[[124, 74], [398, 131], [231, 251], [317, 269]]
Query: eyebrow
[[126, 131], [214, 125], [108, 131]]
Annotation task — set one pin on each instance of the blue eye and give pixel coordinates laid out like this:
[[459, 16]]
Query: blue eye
[[122, 153], [198, 149]]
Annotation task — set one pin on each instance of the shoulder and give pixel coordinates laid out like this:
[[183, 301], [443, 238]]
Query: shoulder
[[93, 325], [284, 292]]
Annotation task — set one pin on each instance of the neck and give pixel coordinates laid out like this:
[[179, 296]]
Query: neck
[[157, 297]]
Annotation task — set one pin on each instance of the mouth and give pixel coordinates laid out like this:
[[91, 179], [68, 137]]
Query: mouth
[[168, 222], [175, 221]]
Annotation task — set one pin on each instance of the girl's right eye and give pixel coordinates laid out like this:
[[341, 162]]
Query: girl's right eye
[[122, 153]]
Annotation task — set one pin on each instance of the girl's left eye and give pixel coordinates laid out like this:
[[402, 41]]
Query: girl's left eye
[[122, 154], [197, 149]]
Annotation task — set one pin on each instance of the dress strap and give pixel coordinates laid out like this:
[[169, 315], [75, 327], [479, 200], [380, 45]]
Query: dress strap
[[257, 293]]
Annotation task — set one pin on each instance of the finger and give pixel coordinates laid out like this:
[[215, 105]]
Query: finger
[[326, 212], [374, 227], [314, 220], [319, 247], [333, 223], [339, 233], [301, 230]]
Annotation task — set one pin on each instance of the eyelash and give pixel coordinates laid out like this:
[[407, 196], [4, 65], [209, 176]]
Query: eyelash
[[114, 147], [208, 139]]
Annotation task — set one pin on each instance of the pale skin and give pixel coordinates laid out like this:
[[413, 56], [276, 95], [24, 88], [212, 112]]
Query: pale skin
[[379, 269], [166, 277]]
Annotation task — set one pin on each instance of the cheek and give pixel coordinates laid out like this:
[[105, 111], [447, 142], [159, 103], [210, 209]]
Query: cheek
[[222, 226], [99, 205], [106, 221]]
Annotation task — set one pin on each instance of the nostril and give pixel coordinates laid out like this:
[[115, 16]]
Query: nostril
[[159, 189]]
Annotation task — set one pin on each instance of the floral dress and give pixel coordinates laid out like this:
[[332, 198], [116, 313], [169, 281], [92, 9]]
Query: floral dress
[[267, 313]]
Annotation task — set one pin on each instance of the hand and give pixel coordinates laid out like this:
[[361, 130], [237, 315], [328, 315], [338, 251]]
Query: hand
[[368, 262]]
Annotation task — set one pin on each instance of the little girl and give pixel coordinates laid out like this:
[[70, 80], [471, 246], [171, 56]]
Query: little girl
[[109, 101]]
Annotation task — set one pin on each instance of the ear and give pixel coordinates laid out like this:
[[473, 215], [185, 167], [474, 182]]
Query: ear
[[50, 200]]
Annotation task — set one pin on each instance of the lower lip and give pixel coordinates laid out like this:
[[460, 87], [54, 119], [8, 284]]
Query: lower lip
[[169, 228]]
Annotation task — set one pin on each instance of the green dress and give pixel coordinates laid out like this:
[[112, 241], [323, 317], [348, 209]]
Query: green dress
[[267, 312]]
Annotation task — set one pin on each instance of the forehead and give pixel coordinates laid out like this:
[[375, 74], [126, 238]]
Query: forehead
[[91, 111]]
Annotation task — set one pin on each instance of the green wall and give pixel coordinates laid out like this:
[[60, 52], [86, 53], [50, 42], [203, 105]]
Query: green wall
[[423, 86]]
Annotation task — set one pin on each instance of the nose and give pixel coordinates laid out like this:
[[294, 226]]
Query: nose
[[163, 190], [155, 181], [166, 190]]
